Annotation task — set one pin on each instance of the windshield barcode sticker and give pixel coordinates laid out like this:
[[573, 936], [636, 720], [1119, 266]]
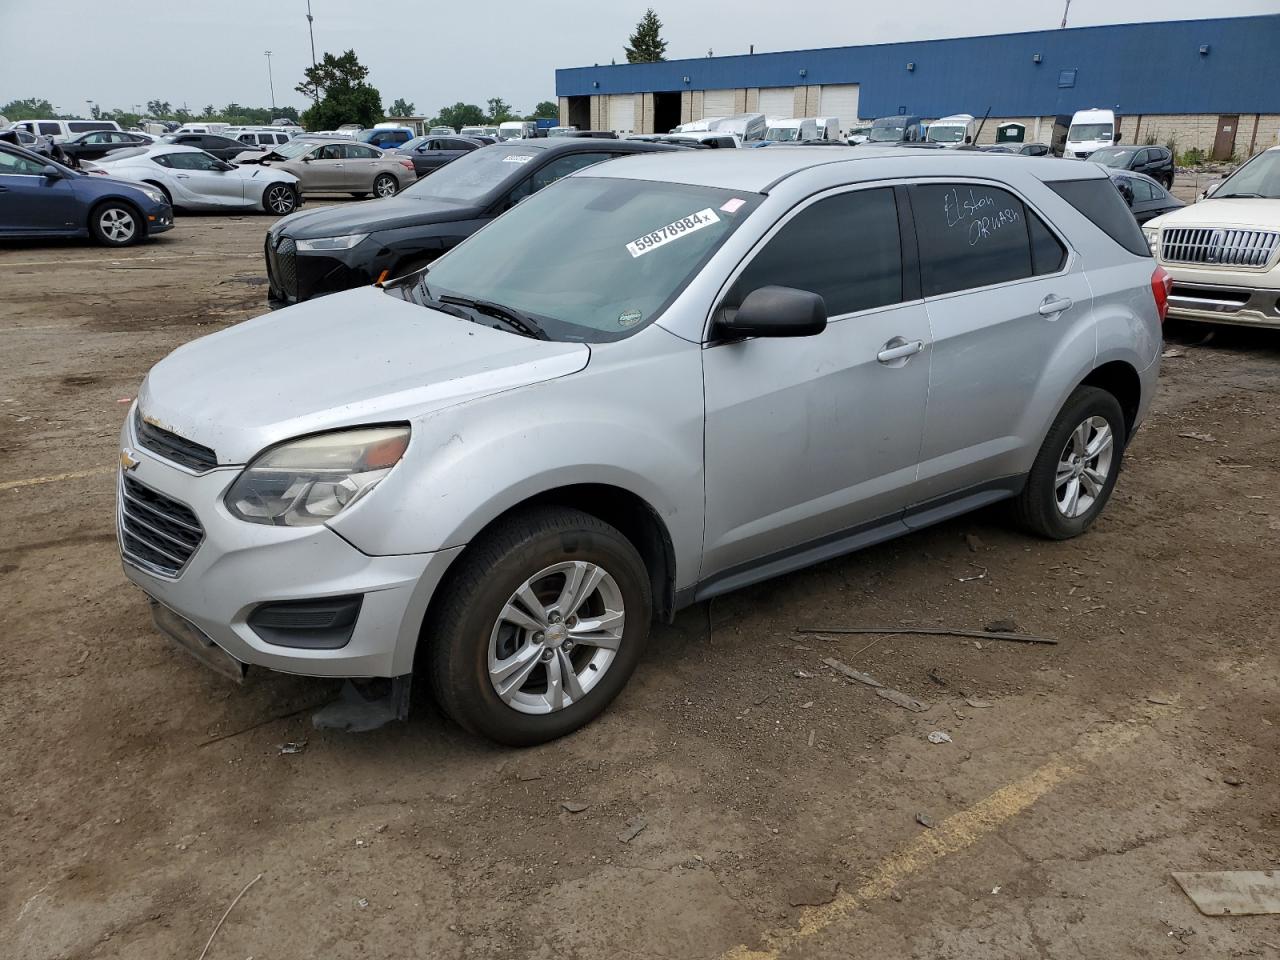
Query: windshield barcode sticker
[[517, 158], [672, 231]]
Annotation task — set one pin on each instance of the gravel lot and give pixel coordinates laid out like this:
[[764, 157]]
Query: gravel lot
[[780, 802]]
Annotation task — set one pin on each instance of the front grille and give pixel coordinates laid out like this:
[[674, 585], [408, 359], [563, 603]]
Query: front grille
[[156, 532], [1218, 247], [282, 266], [176, 449]]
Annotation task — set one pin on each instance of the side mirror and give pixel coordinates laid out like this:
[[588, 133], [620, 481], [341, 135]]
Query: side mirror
[[1211, 189], [50, 171], [776, 312], [308, 158]]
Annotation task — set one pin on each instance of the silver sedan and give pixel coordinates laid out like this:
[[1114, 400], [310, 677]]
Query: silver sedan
[[196, 180]]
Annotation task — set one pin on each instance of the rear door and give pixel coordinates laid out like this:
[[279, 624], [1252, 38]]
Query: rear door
[[842, 415], [1009, 305], [363, 165]]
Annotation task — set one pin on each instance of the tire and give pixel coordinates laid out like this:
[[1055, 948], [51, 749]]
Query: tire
[[385, 185], [471, 636], [1045, 506], [115, 223], [280, 199]]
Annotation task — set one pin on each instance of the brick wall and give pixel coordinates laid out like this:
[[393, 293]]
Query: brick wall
[[564, 111], [686, 106], [644, 114], [752, 100], [797, 102]]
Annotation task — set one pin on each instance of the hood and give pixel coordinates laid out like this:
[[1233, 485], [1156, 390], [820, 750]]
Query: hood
[[390, 213], [1251, 212], [353, 358]]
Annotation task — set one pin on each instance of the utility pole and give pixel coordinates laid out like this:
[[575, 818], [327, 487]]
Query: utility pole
[[1065, 11], [272, 84], [315, 93]]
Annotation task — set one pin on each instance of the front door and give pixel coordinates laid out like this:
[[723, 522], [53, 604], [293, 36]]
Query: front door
[[1007, 306], [811, 438], [326, 170], [201, 177], [1224, 142], [30, 202]]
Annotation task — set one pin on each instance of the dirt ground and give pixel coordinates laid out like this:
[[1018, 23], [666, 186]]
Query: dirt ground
[[781, 803]]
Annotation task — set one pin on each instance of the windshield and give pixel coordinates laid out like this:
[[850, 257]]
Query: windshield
[[1260, 177], [473, 175], [592, 258], [886, 131], [1089, 131], [1111, 157], [295, 148], [782, 133], [946, 134]]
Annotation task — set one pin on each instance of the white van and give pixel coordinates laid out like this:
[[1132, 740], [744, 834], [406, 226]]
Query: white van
[[63, 129], [516, 129], [746, 126], [828, 128], [792, 128], [956, 130], [698, 126], [214, 127], [481, 131], [1091, 130]]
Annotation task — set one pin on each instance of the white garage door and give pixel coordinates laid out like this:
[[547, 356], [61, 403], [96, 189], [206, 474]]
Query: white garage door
[[717, 103], [622, 113], [840, 100], [777, 101]]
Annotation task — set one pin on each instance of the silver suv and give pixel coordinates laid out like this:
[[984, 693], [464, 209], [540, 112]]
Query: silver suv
[[664, 378]]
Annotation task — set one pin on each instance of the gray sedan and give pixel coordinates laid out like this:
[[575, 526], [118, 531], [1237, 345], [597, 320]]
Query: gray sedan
[[338, 165]]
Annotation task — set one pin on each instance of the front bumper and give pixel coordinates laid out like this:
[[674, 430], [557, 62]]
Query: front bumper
[[294, 276], [238, 566], [159, 218], [1225, 303]]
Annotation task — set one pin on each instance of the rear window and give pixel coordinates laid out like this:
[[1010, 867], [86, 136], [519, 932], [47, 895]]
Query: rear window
[[50, 129], [81, 126], [1100, 203]]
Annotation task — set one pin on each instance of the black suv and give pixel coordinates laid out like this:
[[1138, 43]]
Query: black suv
[[224, 148], [1155, 162], [336, 248]]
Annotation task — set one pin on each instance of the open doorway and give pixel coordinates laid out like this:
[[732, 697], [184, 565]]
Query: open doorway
[[580, 112], [666, 111]]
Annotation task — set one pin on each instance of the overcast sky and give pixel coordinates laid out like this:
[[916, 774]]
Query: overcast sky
[[434, 54]]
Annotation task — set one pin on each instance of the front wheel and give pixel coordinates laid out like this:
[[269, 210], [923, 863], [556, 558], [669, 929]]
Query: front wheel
[[542, 625], [280, 199], [1076, 468], [115, 224], [385, 186]]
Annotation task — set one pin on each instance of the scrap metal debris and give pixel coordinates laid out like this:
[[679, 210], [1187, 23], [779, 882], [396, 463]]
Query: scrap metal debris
[[1202, 437], [1232, 893], [939, 736], [976, 576], [902, 700], [978, 704], [227, 914], [633, 829], [574, 806], [293, 746], [931, 631], [851, 673]]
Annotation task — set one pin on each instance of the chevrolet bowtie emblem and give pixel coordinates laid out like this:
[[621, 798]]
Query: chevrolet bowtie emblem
[[128, 461]]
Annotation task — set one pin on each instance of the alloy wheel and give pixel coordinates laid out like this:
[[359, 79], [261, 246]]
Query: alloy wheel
[[117, 225], [280, 199], [1083, 467], [556, 636], [385, 187]]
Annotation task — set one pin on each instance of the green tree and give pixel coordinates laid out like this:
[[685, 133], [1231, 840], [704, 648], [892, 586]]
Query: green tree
[[210, 111], [500, 110], [159, 108], [646, 44], [545, 108], [459, 115], [341, 93], [402, 108]]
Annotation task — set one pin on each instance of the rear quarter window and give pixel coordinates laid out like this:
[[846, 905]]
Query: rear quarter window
[[1102, 205]]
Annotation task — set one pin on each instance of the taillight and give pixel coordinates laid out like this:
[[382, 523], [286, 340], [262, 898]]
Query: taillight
[[1161, 285], [407, 164]]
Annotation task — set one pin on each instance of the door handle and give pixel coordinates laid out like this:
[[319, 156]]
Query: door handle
[[1051, 306], [899, 349], [183, 176]]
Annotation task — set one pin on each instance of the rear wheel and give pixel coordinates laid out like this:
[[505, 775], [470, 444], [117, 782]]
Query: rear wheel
[[1076, 468], [280, 199], [385, 185], [542, 625], [116, 224]]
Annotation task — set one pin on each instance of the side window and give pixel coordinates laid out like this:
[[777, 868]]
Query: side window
[[13, 165], [970, 235], [1143, 156], [330, 151], [245, 138], [1097, 201], [1141, 189], [845, 248], [355, 151], [50, 129], [562, 167], [1048, 255], [163, 160]]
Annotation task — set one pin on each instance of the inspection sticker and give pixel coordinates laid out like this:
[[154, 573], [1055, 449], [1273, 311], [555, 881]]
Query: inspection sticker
[[672, 231], [517, 158]]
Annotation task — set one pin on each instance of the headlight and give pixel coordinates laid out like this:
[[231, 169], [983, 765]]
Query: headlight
[[331, 243], [304, 482], [1153, 241], [155, 196]]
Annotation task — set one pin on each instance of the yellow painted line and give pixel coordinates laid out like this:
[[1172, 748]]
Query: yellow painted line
[[956, 833], [55, 477]]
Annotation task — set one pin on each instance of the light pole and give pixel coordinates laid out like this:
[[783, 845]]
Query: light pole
[[312, 32], [271, 82]]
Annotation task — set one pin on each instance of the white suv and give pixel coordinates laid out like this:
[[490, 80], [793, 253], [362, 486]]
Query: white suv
[[1224, 252]]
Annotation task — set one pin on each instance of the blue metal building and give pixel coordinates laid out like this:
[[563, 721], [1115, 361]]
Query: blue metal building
[[1218, 66]]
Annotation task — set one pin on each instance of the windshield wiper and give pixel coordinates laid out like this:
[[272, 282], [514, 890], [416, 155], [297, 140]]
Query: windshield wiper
[[521, 322]]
